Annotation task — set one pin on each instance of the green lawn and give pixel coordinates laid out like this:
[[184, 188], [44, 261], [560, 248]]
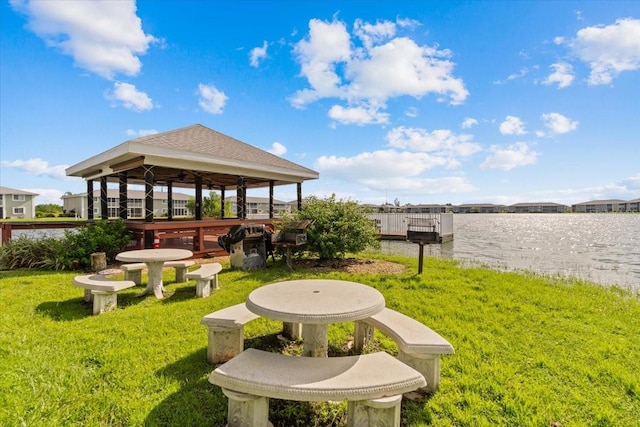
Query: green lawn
[[530, 351]]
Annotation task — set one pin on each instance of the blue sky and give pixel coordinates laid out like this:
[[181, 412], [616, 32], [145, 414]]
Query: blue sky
[[419, 102]]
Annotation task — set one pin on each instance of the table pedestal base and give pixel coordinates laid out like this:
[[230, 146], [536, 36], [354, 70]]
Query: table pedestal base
[[155, 285], [314, 339]]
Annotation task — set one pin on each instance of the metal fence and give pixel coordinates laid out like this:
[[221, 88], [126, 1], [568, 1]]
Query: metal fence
[[397, 223]]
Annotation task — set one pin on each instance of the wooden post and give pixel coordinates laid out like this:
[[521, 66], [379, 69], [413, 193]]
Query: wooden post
[[104, 209], [420, 257], [123, 196]]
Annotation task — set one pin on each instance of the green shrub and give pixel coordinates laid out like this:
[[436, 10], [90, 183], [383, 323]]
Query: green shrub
[[73, 252], [29, 253], [109, 237], [338, 227]]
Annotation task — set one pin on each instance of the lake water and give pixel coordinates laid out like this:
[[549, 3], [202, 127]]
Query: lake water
[[602, 248]]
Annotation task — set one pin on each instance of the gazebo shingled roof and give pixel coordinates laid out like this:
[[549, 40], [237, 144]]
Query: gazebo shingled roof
[[179, 155]]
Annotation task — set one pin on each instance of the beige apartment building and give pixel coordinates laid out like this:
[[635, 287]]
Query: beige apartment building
[[76, 204], [15, 204]]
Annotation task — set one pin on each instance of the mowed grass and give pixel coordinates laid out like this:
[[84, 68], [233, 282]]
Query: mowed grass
[[530, 351]]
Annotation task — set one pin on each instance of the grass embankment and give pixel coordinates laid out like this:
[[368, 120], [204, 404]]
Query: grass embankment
[[529, 351]]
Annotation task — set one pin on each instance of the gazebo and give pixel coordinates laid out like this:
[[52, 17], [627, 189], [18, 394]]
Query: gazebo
[[193, 157]]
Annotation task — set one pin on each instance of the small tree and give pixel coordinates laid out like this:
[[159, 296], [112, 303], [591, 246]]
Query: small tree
[[338, 227], [211, 206], [48, 210]]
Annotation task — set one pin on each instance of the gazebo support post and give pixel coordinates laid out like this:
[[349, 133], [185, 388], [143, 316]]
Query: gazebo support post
[[90, 200], [123, 196], [170, 201], [299, 190], [198, 184], [271, 199], [104, 211], [222, 203], [241, 189], [148, 205]]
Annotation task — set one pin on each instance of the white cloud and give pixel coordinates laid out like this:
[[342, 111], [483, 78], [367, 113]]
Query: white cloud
[[632, 183], [372, 34], [211, 100], [513, 156], [411, 112], [277, 149], [512, 126], [357, 115], [257, 54], [140, 132], [46, 195], [609, 50], [104, 37], [398, 171], [562, 75], [328, 44], [468, 122], [558, 124], [371, 67], [38, 167], [389, 164], [130, 97], [442, 142]]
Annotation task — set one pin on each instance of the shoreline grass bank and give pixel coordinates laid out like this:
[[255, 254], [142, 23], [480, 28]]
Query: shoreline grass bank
[[530, 351]]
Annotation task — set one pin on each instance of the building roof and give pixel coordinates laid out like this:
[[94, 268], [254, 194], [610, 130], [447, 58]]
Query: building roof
[[537, 204], [7, 190], [601, 202], [178, 156]]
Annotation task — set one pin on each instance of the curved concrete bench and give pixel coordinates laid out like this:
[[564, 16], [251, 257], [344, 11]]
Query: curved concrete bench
[[102, 291], [418, 346], [133, 271], [203, 276], [375, 380]]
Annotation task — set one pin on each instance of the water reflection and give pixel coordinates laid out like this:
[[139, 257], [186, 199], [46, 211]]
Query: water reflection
[[603, 248]]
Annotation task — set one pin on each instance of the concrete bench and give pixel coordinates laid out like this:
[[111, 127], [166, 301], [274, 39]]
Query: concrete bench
[[372, 383], [418, 346], [204, 276], [101, 291], [133, 271], [226, 332], [181, 267]]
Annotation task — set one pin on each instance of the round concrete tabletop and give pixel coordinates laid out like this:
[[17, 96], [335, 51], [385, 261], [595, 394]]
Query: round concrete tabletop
[[315, 301], [154, 255]]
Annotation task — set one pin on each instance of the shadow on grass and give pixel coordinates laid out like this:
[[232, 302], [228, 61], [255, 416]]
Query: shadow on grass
[[78, 308], [179, 294], [72, 309], [197, 403]]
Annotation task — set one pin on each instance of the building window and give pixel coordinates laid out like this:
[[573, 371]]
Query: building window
[[18, 197], [18, 211]]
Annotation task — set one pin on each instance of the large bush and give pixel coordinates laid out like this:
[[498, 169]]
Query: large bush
[[338, 227], [72, 252], [110, 237]]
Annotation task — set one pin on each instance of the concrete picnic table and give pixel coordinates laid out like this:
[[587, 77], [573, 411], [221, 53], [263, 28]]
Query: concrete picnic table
[[154, 259], [315, 303]]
